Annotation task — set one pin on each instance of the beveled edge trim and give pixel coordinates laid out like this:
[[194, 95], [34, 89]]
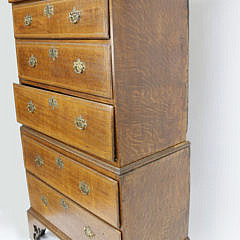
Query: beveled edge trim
[[47, 224], [101, 164]]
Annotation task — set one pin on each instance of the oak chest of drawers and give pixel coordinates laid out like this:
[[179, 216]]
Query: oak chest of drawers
[[103, 103]]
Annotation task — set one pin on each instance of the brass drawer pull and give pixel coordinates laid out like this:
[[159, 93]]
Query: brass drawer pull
[[39, 161], [74, 16], [31, 107], [88, 232], [84, 188], [32, 61], [59, 162], [79, 67], [28, 20], [81, 123], [44, 200], [53, 53], [48, 10], [64, 204], [52, 102]]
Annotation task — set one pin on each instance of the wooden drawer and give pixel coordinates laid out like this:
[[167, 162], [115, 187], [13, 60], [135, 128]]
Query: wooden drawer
[[53, 64], [81, 123], [51, 19], [74, 221], [93, 191]]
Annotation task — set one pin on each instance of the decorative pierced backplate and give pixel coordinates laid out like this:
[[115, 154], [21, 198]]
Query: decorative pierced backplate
[[31, 107], [38, 232], [74, 16], [79, 67], [32, 61], [53, 53], [48, 10], [84, 188], [39, 161], [53, 103], [88, 232], [28, 20], [59, 162]]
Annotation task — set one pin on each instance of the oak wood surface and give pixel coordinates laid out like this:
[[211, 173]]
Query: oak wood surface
[[93, 22], [95, 80], [103, 197], [155, 199], [72, 219], [150, 75], [97, 138], [37, 220]]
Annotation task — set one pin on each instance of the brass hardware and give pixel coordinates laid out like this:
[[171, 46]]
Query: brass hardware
[[32, 61], [38, 232], [53, 53], [31, 107], [48, 10], [44, 200], [81, 123], [187, 238], [28, 20], [59, 162], [39, 161], [84, 188], [79, 67], [74, 16], [64, 204], [88, 232], [53, 103]]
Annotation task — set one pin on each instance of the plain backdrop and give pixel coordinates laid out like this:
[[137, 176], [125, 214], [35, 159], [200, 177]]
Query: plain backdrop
[[214, 125]]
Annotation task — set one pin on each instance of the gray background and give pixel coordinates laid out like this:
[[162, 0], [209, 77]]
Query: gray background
[[214, 125]]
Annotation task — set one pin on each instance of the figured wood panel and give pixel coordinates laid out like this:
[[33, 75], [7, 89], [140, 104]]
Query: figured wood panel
[[155, 199], [95, 80], [93, 21], [102, 199], [96, 139], [150, 40], [71, 220]]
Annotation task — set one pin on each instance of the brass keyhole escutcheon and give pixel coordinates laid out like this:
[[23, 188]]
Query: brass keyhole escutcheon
[[64, 204], [59, 162], [48, 10], [53, 103], [81, 123], [84, 188], [53, 53], [79, 66]]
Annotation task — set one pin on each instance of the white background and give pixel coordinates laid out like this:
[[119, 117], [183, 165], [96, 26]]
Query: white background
[[214, 125]]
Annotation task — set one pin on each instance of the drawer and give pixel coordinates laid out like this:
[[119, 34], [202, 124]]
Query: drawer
[[80, 123], [79, 67], [66, 215], [93, 191], [62, 19]]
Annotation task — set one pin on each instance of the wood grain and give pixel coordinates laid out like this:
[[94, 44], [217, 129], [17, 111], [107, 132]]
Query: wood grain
[[103, 197], [155, 199], [71, 220], [95, 80], [97, 138], [150, 57], [93, 22]]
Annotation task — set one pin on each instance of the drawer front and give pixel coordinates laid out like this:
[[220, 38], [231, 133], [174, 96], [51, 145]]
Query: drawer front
[[80, 123], [93, 191], [79, 67], [62, 19], [74, 221]]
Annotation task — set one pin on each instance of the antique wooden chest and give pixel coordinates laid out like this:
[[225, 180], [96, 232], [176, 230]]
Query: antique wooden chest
[[103, 100]]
